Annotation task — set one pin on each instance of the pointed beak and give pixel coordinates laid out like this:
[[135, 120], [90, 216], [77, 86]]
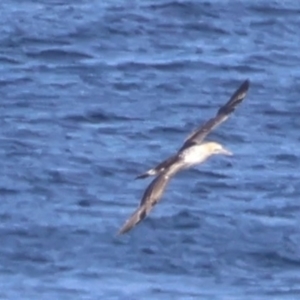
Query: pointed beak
[[226, 152]]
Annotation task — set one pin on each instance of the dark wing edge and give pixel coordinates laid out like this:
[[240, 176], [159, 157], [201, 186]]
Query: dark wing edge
[[152, 195], [136, 217], [222, 115]]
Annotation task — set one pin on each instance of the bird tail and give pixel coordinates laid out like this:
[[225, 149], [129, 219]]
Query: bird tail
[[150, 172], [136, 217]]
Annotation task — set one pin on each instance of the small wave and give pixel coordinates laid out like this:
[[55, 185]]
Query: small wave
[[181, 8], [9, 60], [171, 65], [272, 10], [97, 117], [166, 129], [8, 191], [59, 54], [183, 220], [15, 81], [286, 157], [275, 259]]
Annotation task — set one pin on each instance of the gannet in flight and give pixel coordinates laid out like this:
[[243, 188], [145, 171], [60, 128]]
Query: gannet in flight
[[194, 151]]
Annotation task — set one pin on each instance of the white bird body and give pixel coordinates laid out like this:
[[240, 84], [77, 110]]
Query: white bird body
[[197, 154]]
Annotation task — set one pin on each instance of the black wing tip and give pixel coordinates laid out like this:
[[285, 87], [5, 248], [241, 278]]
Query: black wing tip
[[125, 228], [236, 98], [242, 90], [245, 85], [136, 218], [122, 231]]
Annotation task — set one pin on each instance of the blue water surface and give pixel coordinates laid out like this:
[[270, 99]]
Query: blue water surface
[[95, 92]]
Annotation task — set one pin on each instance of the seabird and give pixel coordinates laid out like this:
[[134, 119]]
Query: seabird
[[194, 151]]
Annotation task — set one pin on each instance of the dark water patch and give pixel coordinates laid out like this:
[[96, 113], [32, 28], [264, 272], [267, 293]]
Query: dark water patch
[[55, 55], [259, 167], [205, 27], [209, 174], [270, 9], [281, 58], [290, 209], [98, 116], [262, 186], [273, 127], [33, 257], [179, 9], [106, 172], [279, 113], [183, 221], [259, 59], [169, 87], [166, 130], [8, 191], [262, 23], [165, 66], [17, 147], [45, 42], [15, 81], [56, 177], [9, 60], [64, 177], [61, 86], [270, 211], [81, 159], [84, 203], [247, 69], [275, 260], [292, 158], [126, 86]]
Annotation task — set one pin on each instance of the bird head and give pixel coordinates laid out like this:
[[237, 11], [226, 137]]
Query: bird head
[[215, 148]]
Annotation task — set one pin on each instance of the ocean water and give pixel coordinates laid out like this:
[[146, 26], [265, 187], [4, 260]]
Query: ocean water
[[95, 92]]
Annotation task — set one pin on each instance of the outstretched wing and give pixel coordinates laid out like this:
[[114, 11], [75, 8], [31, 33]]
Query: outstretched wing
[[197, 136], [151, 196], [222, 115]]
